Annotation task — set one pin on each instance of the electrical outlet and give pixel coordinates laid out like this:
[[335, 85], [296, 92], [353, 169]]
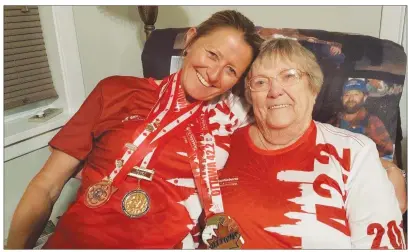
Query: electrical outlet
[[45, 115]]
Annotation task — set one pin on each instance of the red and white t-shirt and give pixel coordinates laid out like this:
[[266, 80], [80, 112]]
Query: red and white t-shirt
[[327, 190], [97, 134]]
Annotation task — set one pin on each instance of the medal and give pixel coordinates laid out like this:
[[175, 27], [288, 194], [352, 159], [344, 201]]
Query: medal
[[222, 232], [136, 203], [99, 193], [157, 126]]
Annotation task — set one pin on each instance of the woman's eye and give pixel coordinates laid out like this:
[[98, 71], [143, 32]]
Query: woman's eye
[[212, 54], [259, 82], [289, 77], [232, 71]]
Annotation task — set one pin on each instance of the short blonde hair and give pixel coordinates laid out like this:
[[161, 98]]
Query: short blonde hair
[[289, 50]]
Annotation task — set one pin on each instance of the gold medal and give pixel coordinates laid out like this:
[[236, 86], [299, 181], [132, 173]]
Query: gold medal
[[222, 232], [98, 194], [136, 203]]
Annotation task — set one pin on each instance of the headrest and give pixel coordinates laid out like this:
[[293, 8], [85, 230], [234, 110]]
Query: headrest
[[161, 45]]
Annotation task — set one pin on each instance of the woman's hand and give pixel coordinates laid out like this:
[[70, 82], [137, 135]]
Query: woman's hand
[[397, 178]]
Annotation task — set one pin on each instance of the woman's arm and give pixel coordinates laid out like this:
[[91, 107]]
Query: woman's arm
[[36, 205], [373, 212], [397, 178]]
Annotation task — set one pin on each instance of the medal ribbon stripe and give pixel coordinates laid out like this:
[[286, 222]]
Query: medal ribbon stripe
[[205, 170], [217, 233], [144, 136], [142, 133], [146, 140], [148, 146], [176, 121]]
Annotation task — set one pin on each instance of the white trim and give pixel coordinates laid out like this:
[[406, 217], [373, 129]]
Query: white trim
[[69, 56], [29, 145], [392, 23], [393, 27], [21, 129]]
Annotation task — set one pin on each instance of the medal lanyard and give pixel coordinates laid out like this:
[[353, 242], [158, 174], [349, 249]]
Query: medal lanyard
[[157, 126], [203, 165]]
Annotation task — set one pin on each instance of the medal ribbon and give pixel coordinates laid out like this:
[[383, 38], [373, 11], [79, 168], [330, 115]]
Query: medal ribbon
[[145, 140], [203, 164]]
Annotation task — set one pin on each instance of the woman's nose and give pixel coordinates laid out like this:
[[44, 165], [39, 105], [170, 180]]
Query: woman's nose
[[214, 73], [275, 89]]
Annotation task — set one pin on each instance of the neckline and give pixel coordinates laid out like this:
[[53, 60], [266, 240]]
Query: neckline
[[283, 150]]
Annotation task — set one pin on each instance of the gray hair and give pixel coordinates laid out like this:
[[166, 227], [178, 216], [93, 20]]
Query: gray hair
[[292, 51]]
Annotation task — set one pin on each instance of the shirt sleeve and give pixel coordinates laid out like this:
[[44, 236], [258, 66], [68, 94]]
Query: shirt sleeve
[[375, 219], [76, 137], [379, 134]]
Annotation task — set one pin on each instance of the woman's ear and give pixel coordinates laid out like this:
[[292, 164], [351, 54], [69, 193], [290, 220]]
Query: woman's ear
[[315, 98], [188, 38]]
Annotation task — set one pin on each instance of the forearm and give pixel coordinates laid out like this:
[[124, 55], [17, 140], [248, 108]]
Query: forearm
[[397, 178], [30, 217], [35, 206], [398, 181]]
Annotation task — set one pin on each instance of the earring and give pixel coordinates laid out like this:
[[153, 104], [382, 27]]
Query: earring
[[184, 53]]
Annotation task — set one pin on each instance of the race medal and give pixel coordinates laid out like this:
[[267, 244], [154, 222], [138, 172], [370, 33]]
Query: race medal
[[136, 203], [222, 232], [98, 194]]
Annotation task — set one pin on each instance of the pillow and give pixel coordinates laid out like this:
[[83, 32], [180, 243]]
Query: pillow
[[374, 65]]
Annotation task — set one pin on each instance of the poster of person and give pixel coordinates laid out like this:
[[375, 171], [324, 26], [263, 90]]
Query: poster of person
[[324, 50], [387, 57], [364, 102]]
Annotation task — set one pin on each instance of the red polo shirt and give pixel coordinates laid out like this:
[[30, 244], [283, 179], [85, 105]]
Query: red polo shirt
[[96, 134]]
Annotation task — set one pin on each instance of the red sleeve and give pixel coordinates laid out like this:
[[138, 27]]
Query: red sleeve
[[76, 137], [379, 134], [110, 101]]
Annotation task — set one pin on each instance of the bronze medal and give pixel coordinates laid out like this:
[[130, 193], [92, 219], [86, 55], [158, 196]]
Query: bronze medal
[[98, 194], [136, 203], [222, 232]]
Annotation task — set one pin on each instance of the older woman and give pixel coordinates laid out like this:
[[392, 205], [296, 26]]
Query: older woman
[[291, 182]]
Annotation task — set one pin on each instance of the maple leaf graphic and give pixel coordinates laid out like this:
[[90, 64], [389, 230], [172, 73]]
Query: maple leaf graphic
[[226, 236]]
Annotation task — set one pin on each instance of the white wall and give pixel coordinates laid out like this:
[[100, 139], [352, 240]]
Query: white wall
[[334, 18], [404, 100], [110, 38]]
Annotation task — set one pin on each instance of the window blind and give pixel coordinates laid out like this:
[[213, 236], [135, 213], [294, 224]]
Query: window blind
[[27, 77]]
